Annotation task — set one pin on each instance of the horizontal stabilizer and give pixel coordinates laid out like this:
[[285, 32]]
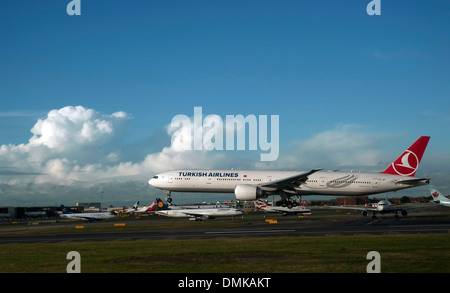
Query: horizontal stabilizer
[[414, 181]]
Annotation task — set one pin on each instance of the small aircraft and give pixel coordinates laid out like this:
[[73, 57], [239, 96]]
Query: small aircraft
[[383, 207], [197, 214], [439, 197], [261, 205], [87, 216]]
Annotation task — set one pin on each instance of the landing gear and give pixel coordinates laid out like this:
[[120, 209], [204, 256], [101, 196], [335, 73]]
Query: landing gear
[[168, 199], [286, 201]]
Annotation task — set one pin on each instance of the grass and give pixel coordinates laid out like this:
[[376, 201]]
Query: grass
[[417, 253]]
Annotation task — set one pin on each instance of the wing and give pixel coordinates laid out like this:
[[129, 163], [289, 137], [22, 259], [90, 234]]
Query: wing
[[353, 208], [398, 208], [198, 216], [86, 218], [287, 184]]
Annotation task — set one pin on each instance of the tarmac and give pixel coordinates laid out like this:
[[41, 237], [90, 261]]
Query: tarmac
[[322, 222]]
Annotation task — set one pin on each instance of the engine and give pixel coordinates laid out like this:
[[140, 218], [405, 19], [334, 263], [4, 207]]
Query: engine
[[247, 192]]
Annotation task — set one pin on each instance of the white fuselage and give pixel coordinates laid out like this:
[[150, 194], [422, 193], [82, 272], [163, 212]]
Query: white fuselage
[[97, 216], [318, 183], [277, 209], [207, 212]]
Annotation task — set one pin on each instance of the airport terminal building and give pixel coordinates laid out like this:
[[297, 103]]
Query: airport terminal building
[[45, 212]]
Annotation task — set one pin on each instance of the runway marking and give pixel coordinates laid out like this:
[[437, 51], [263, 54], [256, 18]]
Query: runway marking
[[370, 223], [423, 225], [249, 231]]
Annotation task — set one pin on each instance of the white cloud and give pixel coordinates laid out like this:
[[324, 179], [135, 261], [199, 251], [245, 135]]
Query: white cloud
[[72, 127], [345, 145], [66, 138], [80, 151]]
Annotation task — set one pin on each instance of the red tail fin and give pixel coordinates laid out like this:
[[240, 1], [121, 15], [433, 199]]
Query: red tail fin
[[408, 162]]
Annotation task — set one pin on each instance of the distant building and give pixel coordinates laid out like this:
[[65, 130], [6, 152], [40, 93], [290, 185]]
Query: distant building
[[28, 212], [352, 200], [90, 205]]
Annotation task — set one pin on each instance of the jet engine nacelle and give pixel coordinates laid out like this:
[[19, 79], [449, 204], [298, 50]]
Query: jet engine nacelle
[[247, 192]]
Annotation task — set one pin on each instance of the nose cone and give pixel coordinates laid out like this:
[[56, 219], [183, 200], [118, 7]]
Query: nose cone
[[382, 205], [153, 181]]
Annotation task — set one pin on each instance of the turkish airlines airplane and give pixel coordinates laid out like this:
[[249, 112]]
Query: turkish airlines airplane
[[251, 184]]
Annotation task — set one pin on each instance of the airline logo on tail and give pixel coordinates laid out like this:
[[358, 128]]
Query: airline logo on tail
[[408, 162], [259, 204], [160, 205], [408, 165], [151, 207]]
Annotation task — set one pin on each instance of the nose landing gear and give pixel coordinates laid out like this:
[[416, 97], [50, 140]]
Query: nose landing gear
[[168, 199]]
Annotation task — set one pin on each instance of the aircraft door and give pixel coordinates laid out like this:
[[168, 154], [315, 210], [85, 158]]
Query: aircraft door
[[375, 183], [170, 178], [322, 181]]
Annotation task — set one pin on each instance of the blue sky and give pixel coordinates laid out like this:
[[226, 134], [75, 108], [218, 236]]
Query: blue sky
[[324, 67]]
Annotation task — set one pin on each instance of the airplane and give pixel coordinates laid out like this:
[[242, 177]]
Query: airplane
[[261, 205], [196, 214], [86, 216], [132, 209], [250, 185], [160, 204], [439, 197], [383, 207], [135, 209]]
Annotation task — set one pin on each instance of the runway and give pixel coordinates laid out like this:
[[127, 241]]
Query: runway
[[319, 224]]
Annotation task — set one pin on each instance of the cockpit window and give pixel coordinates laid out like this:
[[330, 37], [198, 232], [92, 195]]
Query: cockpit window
[[155, 177]]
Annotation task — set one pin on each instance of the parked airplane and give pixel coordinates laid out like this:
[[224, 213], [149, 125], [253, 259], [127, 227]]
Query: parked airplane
[[439, 197], [86, 216], [383, 207], [135, 209], [160, 204], [260, 205], [132, 209], [251, 185], [196, 213]]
